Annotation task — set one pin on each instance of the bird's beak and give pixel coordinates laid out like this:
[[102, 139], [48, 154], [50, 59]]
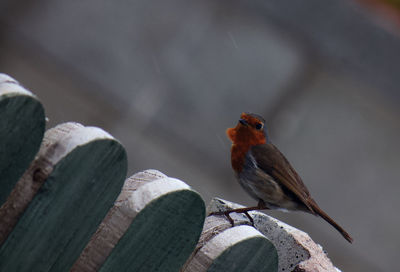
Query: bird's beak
[[243, 122]]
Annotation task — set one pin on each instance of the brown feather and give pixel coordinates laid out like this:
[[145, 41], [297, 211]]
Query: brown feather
[[274, 163], [321, 213], [272, 180]]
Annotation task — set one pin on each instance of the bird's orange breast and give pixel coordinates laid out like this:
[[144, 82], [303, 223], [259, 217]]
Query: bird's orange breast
[[243, 138]]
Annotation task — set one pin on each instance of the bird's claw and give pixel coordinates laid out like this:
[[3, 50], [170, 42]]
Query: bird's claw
[[227, 215], [250, 218]]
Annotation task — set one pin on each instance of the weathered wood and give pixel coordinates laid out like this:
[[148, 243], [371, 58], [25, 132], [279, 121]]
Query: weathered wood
[[253, 252], [114, 225], [22, 124], [153, 226], [296, 250], [82, 170], [225, 248]]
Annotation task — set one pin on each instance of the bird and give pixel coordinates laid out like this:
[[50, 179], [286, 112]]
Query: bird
[[266, 175]]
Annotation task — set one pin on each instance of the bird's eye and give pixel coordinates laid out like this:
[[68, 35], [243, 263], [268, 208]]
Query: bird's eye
[[259, 126]]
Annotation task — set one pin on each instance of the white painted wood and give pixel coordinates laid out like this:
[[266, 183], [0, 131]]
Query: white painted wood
[[9, 86], [226, 239], [219, 236], [150, 191], [62, 139]]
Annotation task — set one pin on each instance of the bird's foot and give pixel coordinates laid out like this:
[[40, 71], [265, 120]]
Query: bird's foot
[[227, 215], [261, 206], [250, 218]]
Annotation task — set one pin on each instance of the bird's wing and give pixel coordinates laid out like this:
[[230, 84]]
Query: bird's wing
[[273, 162], [270, 160]]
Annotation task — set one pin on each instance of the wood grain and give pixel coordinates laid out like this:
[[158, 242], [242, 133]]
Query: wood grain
[[61, 199], [153, 226], [22, 124], [226, 248]]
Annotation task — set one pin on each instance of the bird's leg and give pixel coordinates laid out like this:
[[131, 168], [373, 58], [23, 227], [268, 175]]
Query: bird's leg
[[229, 218], [250, 218], [261, 206]]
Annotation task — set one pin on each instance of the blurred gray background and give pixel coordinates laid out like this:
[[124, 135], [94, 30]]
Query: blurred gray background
[[168, 77]]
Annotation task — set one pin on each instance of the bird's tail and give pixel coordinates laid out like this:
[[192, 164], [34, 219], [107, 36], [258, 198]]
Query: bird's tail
[[321, 213]]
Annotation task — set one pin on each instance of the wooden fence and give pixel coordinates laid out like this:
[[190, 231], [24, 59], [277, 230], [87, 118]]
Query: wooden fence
[[66, 206]]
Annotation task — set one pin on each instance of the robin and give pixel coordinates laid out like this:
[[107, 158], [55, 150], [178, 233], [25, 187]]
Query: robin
[[264, 173]]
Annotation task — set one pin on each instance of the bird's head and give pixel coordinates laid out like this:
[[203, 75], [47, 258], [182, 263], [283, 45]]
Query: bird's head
[[250, 130]]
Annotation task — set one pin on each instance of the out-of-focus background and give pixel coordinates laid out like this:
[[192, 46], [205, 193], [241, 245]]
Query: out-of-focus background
[[168, 77]]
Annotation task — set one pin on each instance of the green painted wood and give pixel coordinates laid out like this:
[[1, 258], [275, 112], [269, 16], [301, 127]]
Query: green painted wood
[[162, 236], [256, 254], [66, 211], [22, 124]]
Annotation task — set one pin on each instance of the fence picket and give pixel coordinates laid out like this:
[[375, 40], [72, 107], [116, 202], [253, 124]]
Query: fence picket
[[225, 248], [22, 124], [154, 226], [59, 216], [82, 175]]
